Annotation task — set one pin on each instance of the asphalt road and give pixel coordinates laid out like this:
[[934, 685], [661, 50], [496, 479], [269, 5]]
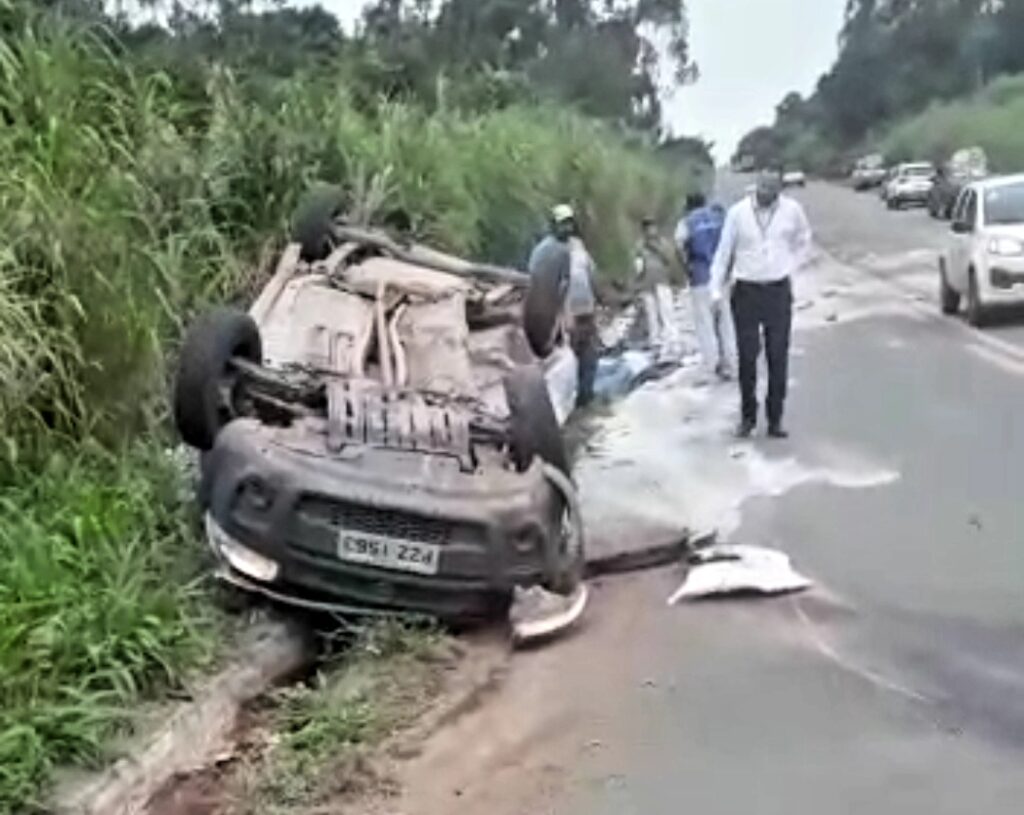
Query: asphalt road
[[897, 684]]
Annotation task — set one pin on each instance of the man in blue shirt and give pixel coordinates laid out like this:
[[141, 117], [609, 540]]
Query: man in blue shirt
[[697, 237]]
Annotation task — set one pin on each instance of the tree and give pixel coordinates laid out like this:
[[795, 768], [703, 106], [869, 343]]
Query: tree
[[599, 55]]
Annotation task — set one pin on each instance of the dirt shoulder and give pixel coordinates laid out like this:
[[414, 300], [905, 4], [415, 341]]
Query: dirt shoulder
[[335, 742]]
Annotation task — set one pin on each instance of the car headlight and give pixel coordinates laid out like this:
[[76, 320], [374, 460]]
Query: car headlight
[[256, 494], [240, 557], [1005, 247]]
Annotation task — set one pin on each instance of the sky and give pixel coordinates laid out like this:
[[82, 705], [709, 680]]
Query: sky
[[751, 53]]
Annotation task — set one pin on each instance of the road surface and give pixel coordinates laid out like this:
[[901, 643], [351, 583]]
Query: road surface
[[897, 684]]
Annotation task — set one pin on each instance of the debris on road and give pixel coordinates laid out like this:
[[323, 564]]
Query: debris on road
[[538, 615], [731, 569]]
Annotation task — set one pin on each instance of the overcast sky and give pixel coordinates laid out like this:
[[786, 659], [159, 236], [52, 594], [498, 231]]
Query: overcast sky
[[751, 53]]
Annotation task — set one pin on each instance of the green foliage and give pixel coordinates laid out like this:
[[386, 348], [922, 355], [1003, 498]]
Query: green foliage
[[131, 207], [990, 119], [608, 59], [98, 605], [142, 178], [895, 60], [390, 674]]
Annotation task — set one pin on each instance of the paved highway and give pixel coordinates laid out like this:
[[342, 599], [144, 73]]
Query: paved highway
[[897, 684]]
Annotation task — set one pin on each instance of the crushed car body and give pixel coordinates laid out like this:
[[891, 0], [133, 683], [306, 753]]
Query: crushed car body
[[378, 432]]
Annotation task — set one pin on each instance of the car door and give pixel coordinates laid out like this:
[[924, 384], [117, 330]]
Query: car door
[[965, 216]]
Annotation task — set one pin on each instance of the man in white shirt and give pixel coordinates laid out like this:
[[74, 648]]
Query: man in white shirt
[[766, 238]]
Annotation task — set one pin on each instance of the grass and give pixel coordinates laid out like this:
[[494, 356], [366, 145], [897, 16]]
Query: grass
[[134, 204], [130, 198], [990, 119], [326, 730], [99, 606]]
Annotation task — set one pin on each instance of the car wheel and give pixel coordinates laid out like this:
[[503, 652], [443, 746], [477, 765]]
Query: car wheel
[[948, 296], [545, 298], [202, 403], [313, 221], [534, 433], [975, 309], [533, 427]]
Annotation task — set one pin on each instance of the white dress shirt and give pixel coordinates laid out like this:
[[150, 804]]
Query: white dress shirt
[[761, 245]]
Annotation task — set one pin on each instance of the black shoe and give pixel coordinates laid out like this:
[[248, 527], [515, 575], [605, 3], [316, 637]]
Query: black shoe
[[745, 428], [777, 431]]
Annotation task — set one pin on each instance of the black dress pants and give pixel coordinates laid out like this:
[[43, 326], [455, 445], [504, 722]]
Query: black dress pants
[[767, 308], [583, 339]]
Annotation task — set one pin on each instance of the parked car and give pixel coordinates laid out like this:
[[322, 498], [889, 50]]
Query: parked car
[[964, 166], [378, 431], [794, 178], [911, 184], [869, 172], [984, 259]]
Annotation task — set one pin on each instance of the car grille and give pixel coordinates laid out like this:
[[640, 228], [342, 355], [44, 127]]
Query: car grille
[[371, 520]]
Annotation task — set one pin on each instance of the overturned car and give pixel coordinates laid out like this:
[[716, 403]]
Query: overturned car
[[382, 429]]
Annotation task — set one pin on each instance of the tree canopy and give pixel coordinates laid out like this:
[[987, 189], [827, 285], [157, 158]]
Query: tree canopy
[[896, 57], [612, 59]]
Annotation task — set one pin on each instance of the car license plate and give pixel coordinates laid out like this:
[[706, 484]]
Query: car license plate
[[388, 553]]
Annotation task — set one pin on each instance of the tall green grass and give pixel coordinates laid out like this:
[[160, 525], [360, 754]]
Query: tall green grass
[[129, 200], [992, 119], [129, 207], [98, 605]]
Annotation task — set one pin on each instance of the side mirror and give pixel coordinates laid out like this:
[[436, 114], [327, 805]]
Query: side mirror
[[962, 227]]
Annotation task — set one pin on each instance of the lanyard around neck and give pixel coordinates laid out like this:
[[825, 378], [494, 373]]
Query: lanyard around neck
[[762, 224]]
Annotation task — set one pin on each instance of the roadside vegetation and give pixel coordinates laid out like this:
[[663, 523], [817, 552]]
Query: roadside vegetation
[[147, 171], [327, 729], [914, 80], [990, 119]]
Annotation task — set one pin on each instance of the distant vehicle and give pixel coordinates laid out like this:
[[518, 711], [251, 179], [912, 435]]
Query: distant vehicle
[[984, 259], [869, 172], [911, 184], [964, 166], [794, 178]]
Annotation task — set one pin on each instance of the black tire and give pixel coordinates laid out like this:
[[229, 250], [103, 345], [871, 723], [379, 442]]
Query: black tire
[[533, 426], [534, 433], [313, 221], [975, 310], [213, 340], [949, 298], [545, 299]]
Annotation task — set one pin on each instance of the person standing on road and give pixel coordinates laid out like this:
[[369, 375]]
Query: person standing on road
[[697, 237], [765, 239], [564, 247], [651, 265]]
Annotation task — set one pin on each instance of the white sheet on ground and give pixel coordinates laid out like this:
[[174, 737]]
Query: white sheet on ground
[[724, 569]]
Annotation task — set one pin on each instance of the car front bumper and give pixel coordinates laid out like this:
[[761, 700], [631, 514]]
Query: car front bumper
[[495, 528]]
